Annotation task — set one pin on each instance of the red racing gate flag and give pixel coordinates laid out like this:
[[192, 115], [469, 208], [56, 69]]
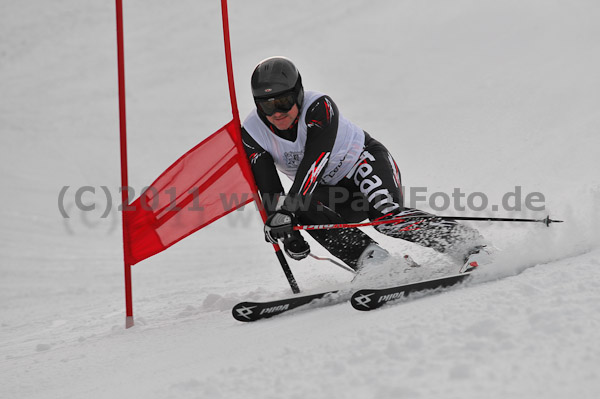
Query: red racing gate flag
[[208, 182]]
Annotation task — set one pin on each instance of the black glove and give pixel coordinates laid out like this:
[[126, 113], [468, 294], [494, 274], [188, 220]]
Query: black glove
[[295, 246], [279, 225]]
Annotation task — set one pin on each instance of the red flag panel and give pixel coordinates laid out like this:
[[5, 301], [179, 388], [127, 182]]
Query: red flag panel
[[205, 184]]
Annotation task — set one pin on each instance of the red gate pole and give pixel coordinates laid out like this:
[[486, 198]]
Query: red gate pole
[[247, 170], [124, 183]]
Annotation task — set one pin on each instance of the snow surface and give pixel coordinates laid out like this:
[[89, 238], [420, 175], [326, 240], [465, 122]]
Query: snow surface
[[481, 95]]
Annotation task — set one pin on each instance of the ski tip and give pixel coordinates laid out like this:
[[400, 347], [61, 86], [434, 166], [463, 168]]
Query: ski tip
[[243, 312], [363, 300]]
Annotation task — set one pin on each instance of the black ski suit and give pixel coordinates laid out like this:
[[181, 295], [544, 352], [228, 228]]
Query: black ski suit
[[371, 189]]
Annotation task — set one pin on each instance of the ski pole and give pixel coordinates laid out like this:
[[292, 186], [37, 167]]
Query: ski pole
[[545, 221], [341, 265]]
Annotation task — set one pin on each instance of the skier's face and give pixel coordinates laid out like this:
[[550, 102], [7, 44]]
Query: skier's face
[[283, 120]]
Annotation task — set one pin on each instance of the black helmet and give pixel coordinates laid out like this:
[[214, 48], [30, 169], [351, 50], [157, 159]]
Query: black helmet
[[275, 76]]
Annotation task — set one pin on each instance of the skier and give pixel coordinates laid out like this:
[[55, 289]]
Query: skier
[[340, 174]]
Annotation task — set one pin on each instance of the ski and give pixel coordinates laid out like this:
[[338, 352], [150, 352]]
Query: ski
[[369, 299], [252, 311], [365, 299]]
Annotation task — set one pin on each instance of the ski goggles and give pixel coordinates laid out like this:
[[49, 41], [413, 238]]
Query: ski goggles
[[281, 103]]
